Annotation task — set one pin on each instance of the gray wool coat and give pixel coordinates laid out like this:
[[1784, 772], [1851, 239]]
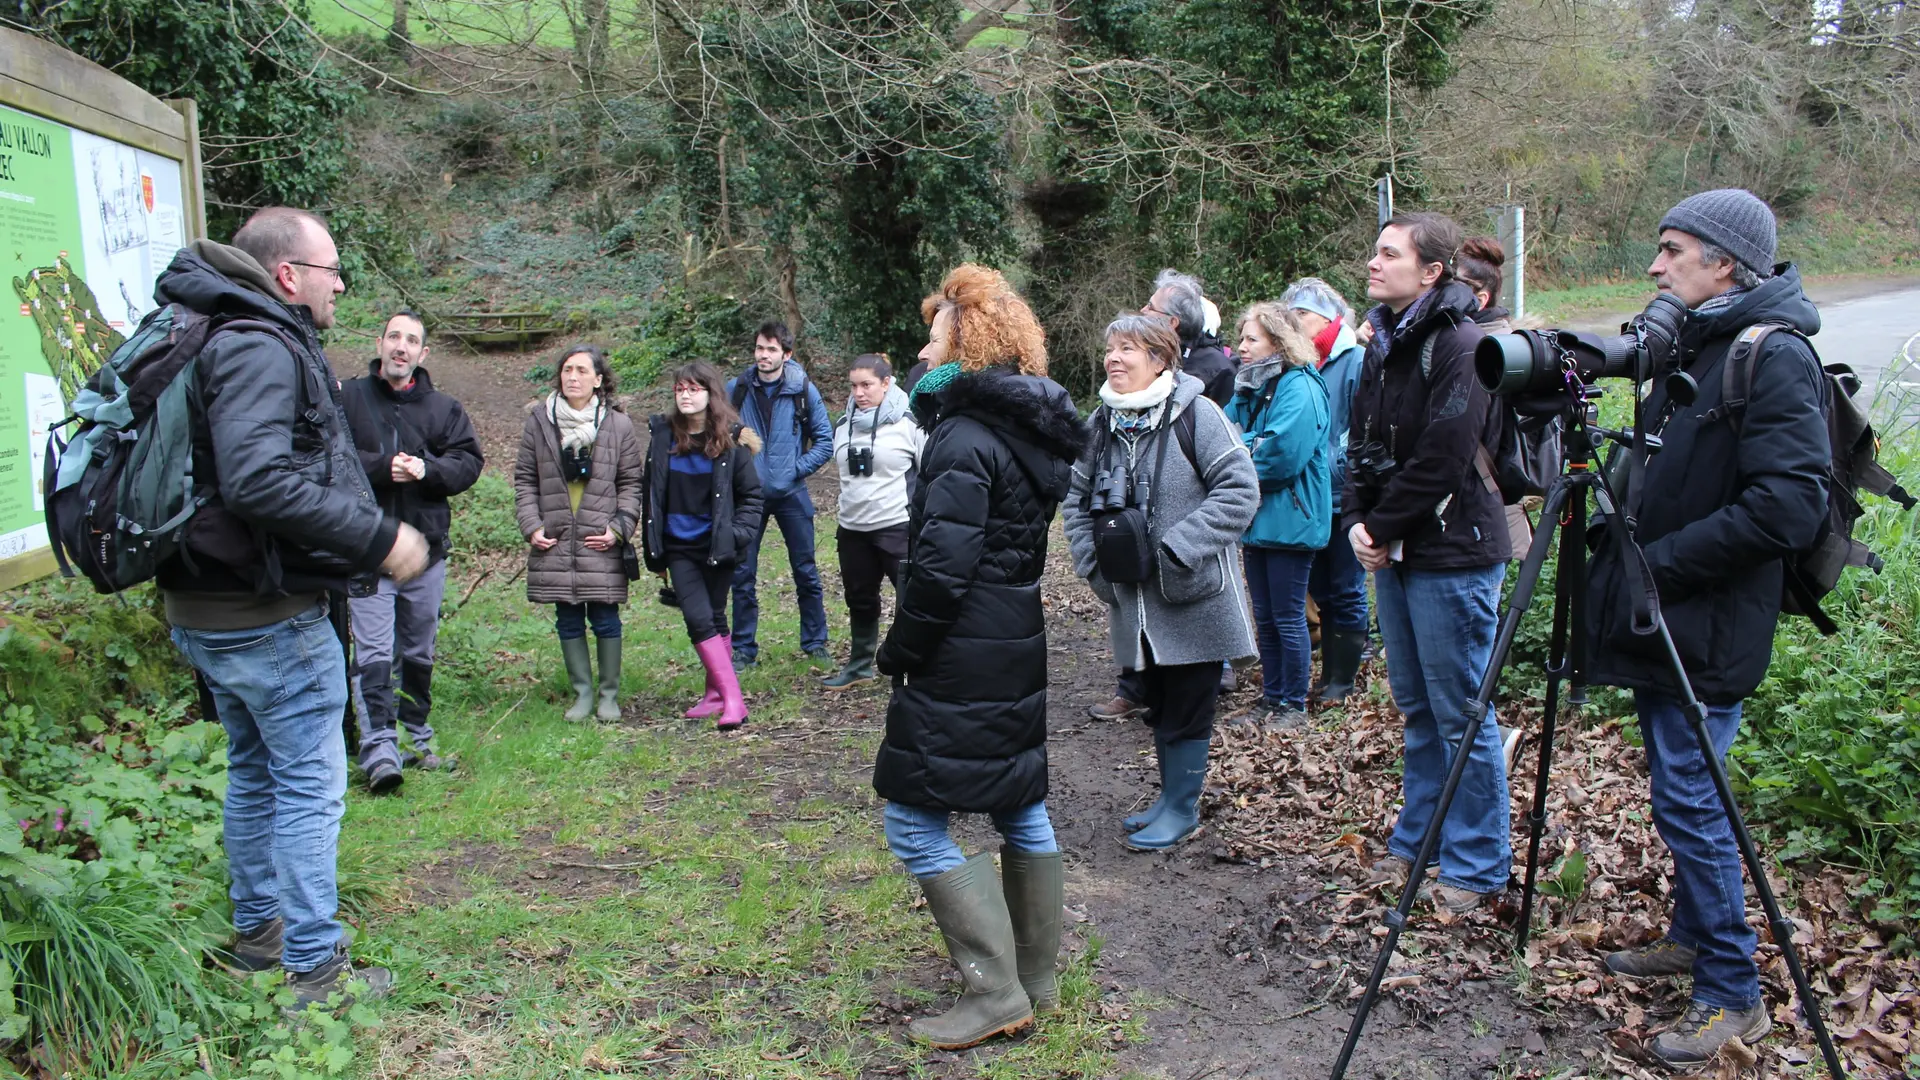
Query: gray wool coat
[[571, 572], [1194, 608]]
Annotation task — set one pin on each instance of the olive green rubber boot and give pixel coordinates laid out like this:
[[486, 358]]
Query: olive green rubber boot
[[579, 674], [972, 914], [607, 650], [1035, 887]]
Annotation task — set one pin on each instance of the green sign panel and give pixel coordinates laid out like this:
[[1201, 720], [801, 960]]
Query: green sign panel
[[86, 224]]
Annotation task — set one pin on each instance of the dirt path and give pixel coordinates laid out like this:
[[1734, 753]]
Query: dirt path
[[1221, 946], [1217, 948]]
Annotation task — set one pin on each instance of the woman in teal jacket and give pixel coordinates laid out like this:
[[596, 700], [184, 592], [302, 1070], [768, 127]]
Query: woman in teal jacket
[[1280, 402]]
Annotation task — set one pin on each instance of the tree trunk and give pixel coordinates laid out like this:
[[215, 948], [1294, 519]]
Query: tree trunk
[[789, 294], [398, 38]]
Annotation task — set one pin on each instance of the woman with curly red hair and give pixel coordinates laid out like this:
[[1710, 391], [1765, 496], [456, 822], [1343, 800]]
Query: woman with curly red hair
[[966, 730]]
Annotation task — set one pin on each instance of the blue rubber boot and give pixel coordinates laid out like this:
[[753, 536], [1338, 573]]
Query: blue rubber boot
[[1135, 822], [1184, 763]]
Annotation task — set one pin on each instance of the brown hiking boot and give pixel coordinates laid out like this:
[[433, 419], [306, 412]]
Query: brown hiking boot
[[318, 986], [1118, 709], [1662, 959], [255, 950], [1458, 901], [1391, 872], [1705, 1029]]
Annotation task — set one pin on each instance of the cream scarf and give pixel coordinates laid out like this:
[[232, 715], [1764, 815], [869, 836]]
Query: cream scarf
[[578, 427]]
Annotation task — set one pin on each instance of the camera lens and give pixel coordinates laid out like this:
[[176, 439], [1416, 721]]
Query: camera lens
[[1514, 364]]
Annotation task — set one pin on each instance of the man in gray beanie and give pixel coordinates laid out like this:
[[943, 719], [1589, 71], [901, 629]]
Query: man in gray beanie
[[1733, 494]]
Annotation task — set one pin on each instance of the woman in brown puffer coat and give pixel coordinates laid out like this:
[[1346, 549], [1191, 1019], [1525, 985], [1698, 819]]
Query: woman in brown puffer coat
[[576, 492]]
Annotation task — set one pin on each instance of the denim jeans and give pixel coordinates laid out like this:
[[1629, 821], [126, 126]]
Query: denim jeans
[[1338, 586], [571, 619], [918, 836], [1438, 628], [794, 513], [1277, 586], [1709, 895], [280, 691]]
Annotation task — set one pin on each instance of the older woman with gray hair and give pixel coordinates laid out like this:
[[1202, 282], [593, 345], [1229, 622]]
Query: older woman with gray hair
[[1154, 517]]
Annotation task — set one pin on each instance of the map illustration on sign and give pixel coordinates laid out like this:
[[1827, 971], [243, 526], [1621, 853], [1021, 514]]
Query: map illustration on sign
[[73, 337]]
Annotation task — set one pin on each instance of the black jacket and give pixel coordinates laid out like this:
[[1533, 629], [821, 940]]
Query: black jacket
[[1432, 426], [1718, 509], [289, 509], [737, 504], [967, 727], [426, 424], [1205, 359]]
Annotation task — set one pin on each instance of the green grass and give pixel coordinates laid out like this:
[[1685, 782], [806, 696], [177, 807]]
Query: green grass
[[752, 920], [477, 22]]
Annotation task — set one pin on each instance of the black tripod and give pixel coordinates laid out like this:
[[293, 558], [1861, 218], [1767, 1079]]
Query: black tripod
[[1565, 510]]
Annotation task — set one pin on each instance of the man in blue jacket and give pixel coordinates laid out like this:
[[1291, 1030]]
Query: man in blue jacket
[[776, 399]]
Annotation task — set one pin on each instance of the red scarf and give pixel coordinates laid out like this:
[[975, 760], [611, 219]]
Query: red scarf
[[1324, 340]]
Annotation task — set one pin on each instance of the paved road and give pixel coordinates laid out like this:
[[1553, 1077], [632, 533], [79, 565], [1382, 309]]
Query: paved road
[[1863, 322], [1868, 332]]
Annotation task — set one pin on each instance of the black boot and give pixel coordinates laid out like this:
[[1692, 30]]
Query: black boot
[[1341, 651]]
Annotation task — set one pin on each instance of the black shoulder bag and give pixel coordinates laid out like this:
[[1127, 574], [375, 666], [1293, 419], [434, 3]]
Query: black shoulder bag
[[1122, 528]]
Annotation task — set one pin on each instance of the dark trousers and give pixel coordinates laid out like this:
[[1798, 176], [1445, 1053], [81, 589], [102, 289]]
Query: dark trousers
[[702, 590], [570, 620], [1339, 586], [865, 559], [793, 512], [1180, 698]]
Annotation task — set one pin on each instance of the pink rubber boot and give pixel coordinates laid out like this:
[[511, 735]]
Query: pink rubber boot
[[711, 703], [717, 654]]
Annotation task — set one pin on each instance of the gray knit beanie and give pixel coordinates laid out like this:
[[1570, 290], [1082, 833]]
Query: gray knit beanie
[[1731, 218]]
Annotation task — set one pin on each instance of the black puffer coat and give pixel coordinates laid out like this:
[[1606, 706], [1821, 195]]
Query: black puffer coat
[[1720, 508], [737, 503], [967, 726], [1432, 424]]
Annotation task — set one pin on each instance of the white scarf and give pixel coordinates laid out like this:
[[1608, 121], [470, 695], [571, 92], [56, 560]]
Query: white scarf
[[1147, 400], [578, 427]]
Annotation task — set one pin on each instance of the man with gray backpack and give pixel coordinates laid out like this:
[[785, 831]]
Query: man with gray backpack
[[1746, 505], [214, 457]]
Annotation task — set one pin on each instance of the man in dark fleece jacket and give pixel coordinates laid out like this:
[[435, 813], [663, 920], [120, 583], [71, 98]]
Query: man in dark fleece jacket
[[418, 448], [287, 517], [1728, 498]]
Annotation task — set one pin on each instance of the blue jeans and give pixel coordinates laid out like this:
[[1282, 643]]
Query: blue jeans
[[280, 691], [1339, 586], [1709, 896], [794, 513], [917, 836], [571, 619], [1438, 627], [1277, 585]]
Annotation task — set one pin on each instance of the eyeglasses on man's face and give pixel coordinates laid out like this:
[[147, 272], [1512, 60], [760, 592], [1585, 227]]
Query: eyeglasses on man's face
[[339, 272]]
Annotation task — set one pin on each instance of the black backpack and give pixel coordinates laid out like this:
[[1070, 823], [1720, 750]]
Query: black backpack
[[802, 416], [1814, 572], [121, 492]]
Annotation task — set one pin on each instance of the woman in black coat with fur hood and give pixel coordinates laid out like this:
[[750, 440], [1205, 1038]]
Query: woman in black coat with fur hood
[[967, 727]]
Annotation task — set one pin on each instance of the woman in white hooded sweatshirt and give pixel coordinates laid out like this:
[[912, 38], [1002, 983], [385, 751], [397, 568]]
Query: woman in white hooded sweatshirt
[[877, 448]]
